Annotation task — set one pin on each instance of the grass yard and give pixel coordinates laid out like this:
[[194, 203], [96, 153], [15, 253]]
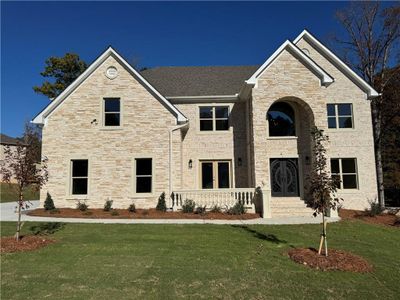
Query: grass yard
[[98, 261], [8, 193]]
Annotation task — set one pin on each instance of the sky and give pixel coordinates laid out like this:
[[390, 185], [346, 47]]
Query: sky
[[150, 33]]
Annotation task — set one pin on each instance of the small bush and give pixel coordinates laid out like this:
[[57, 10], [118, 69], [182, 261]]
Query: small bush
[[132, 208], [237, 209], [108, 205], [48, 203], [200, 210], [375, 209], [161, 205], [82, 206], [216, 209], [115, 213], [188, 206]]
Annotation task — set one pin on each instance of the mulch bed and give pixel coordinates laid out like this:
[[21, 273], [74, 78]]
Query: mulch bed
[[383, 219], [336, 260], [26, 243], [139, 214]]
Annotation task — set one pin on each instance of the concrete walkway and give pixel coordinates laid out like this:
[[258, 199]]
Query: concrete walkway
[[8, 214]]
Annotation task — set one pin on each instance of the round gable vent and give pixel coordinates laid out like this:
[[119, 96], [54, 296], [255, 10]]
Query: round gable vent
[[306, 51], [112, 72]]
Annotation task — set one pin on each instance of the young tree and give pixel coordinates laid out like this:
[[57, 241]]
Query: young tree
[[23, 166], [322, 186], [370, 46], [63, 71]]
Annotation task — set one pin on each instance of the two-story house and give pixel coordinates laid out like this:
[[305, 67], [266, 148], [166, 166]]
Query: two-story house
[[211, 134]]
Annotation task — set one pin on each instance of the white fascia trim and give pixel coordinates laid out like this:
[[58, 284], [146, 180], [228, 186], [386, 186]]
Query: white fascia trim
[[371, 92], [212, 98], [40, 118], [326, 79]]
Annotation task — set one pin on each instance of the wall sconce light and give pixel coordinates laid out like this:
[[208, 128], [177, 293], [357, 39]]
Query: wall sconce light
[[307, 160], [190, 164], [239, 161]]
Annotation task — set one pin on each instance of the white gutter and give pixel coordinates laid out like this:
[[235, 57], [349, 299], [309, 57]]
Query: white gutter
[[170, 152], [210, 98]]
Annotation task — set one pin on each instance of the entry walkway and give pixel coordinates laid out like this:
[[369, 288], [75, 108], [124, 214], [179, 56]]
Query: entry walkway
[[8, 214]]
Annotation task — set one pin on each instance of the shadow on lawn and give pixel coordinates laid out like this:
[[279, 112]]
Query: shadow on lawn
[[262, 236], [47, 228]]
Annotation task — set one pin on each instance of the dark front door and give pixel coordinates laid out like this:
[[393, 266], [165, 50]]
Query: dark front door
[[284, 177]]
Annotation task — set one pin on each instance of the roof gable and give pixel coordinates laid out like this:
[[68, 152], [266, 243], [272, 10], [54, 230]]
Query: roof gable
[[324, 77], [337, 62], [40, 118]]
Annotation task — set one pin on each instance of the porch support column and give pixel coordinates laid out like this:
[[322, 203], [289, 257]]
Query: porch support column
[[266, 204]]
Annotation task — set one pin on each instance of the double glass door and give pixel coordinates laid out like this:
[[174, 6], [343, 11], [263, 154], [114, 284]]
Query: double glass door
[[215, 174]]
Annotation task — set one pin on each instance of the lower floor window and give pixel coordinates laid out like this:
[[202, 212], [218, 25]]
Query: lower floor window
[[345, 171], [79, 184], [144, 175], [215, 174]]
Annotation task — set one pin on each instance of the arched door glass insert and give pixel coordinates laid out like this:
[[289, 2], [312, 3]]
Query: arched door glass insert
[[281, 120]]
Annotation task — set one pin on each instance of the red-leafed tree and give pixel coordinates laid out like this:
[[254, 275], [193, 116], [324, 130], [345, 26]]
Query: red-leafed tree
[[23, 165]]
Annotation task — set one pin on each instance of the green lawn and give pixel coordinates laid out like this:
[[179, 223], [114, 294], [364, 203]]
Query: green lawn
[[97, 261], [8, 193]]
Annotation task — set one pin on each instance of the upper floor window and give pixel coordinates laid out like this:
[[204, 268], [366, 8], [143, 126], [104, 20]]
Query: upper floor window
[[112, 112], [214, 118], [281, 120], [345, 171], [79, 176], [144, 175], [340, 115]]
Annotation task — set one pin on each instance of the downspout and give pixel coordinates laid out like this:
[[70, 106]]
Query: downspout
[[170, 151]]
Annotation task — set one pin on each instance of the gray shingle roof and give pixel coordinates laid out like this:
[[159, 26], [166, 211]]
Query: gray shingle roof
[[8, 140], [198, 81]]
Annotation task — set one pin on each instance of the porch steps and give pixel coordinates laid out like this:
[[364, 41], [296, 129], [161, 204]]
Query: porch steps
[[289, 207]]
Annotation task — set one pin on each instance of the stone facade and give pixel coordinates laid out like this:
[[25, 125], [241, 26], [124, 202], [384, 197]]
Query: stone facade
[[288, 79], [75, 131]]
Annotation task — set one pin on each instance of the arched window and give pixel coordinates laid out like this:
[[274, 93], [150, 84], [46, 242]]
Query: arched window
[[281, 120]]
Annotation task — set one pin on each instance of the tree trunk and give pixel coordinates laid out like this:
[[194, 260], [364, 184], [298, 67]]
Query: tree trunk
[[376, 122], [19, 217]]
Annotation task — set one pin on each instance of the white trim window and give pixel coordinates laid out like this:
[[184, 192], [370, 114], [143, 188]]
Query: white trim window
[[112, 112], [143, 175], [79, 176], [340, 115], [345, 171], [214, 118]]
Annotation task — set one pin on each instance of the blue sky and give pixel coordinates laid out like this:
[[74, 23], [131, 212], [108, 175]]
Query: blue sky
[[159, 34]]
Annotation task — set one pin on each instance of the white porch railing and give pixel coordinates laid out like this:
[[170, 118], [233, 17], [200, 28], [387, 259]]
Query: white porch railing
[[220, 197]]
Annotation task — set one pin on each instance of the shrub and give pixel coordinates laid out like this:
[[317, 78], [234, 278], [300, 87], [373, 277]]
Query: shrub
[[82, 206], [115, 213], [132, 208], [48, 203], [108, 205], [237, 209], [200, 210], [375, 209], [216, 209], [161, 205], [188, 206]]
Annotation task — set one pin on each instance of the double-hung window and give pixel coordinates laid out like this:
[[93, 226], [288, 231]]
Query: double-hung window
[[345, 171], [340, 116], [79, 176], [214, 118], [144, 175], [112, 112]]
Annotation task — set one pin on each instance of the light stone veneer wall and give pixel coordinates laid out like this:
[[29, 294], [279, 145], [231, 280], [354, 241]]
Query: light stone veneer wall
[[69, 134], [216, 145], [288, 79]]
